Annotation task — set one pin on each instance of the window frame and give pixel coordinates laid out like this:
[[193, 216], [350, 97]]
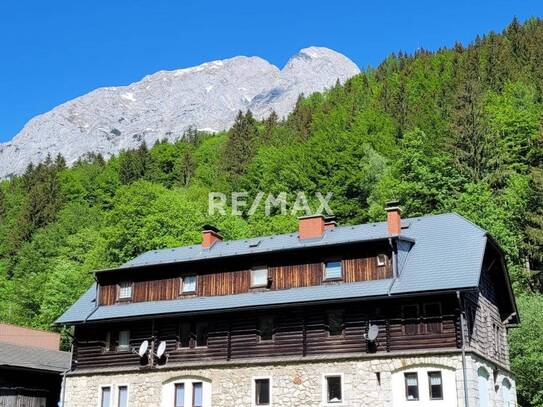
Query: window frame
[[342, 325], [257, 269], [378, 258], [325, 394], [118, 388], [254, 380], [123, 349], [332, 260], [404, 319], [259, 326], [429, 373], [194, 392], [101, 395], [416, 374], [182, 285], [120, 289], [196, 332], [175, 387], [439, 317]]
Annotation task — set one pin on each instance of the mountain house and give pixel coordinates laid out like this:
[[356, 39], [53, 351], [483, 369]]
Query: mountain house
[[408, 312]]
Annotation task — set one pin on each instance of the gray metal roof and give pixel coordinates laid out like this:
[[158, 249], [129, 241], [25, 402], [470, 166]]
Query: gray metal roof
[[443, 252], [288, 241], [33, 358]]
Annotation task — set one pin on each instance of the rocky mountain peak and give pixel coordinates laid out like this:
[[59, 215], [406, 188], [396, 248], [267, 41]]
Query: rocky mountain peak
[[166, 103]]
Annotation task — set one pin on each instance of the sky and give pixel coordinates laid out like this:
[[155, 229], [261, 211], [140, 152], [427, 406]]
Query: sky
[[52, 51]]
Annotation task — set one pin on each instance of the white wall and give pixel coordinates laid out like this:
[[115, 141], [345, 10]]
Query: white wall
[[449, 387], [168, 391]]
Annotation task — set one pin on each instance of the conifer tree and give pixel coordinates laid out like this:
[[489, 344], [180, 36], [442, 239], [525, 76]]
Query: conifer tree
[[241, 145]]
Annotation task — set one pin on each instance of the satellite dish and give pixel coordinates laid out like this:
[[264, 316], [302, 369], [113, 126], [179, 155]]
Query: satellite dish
[[373, 331], [143, 348], [161, 349]]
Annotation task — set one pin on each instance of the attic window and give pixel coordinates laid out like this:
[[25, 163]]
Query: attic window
[[381, 260], [188, 284], [259, 277], [332, 270], [125, 290]]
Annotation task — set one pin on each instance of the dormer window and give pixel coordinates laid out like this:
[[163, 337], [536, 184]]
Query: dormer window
[[125, 290], [333, 270], [259, 277], [188, 285]]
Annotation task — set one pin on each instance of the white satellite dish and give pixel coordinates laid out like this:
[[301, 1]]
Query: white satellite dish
[[161, 349], [373, 332], [143, 348]]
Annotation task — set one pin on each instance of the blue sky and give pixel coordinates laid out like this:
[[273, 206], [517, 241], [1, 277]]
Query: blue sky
[[52, 51]]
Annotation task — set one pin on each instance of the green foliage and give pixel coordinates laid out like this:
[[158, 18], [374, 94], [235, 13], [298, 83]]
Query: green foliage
[[526, 343], [454, 130]]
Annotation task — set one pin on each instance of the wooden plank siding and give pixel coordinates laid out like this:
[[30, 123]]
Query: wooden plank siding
[[298, 331], [225, 281]]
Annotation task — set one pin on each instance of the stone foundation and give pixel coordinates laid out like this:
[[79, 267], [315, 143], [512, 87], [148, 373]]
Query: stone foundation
[[366, 382]]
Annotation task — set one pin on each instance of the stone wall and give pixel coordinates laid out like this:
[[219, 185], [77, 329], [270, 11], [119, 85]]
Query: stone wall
[[366, 382]]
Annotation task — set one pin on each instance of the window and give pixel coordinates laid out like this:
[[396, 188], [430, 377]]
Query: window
[[410, 315], [107, 344], [432, 315], [125, 291], [189, 392], [435, 385], [197, 394], [265, 328], [381, 260], [123, 397], [105, 398], [193, 334], [333, 389], [335, 322], [188, 284], [259, 277], [124, 341], [262, 392], [411, 386], [201, 334], [179, 395], [332, 270]]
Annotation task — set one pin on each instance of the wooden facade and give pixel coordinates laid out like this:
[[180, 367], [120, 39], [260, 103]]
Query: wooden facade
[[227, 278], [297, 332]]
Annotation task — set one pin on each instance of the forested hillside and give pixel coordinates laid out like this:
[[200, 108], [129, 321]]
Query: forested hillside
[[454, 130]]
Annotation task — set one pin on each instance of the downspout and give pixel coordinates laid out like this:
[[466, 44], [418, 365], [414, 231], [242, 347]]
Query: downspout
[[464, 369], [63, 395]]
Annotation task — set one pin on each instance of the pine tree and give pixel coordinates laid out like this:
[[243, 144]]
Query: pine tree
[[270, 124], [187, 167], [300, 119], [241, 145], [134, 164]]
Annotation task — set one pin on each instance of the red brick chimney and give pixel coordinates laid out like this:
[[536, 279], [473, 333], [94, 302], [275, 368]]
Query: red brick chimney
[[394, 220], [210, 235], [310, 227]]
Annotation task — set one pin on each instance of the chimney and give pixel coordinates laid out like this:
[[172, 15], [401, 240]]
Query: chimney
[[210, 235], [394, 220], [330, 223], [310, 227]]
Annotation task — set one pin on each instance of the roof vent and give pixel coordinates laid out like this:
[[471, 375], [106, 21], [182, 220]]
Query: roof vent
[[210, 235], [394, 220], [310, 227]]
